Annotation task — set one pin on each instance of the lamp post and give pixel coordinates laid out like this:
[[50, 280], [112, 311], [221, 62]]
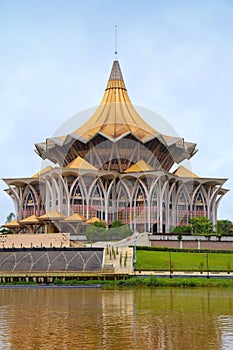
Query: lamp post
[[207, 265], [170, 264], [134, 251]]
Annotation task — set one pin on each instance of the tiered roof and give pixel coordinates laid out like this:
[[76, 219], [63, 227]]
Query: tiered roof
[[114, 119]]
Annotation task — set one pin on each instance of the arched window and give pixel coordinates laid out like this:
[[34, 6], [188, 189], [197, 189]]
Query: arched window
[[29, 204], [199, 204], [77, 200], [172, 209], [140, 213], [154, 207], [97, 202], [182, 209], [111, 202], [123, 204]]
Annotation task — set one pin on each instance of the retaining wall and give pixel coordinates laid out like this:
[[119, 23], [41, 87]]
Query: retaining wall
[[192, 242]]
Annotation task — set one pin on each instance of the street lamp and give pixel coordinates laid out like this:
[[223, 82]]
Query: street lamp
[[170, 264], [134, 251], [207, 265]]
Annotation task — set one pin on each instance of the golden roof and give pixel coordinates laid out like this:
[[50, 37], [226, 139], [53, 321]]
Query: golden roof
[[74, 217], [115, 118], [140, 166], [80, 163], [52, 215], [43, 171], [94, 219], [30, 220], [11, 224], [184, 172]]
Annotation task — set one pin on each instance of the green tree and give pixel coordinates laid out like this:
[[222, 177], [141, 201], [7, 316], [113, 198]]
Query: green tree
[[10, 217], [224, 227], [4, 230], [116, 223], [99, 224], [201, 226], [182, 229]]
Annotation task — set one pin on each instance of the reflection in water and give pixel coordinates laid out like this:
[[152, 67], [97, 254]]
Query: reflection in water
[[226, 326], [116, 319]]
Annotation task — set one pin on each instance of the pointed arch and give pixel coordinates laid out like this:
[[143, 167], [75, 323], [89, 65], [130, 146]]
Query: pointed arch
[[182, 206], [97, 201], [77, 198], [29, 204], [111, 201], [171, 204], [154, 207], [123, 204], [199, 205], [140, 212]]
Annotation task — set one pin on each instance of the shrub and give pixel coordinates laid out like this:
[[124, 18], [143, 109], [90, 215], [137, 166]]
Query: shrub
[[116, 223]]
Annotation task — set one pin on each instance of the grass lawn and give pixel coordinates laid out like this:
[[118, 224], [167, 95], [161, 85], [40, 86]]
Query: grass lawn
[[157, 260]]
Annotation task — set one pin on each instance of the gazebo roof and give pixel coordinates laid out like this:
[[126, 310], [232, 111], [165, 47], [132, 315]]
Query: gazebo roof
[[94, 219], [30, 220], [12, 224], [52, 215], [74, 218]]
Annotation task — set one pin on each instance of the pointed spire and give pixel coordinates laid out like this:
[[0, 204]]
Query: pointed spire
[[116, 71]]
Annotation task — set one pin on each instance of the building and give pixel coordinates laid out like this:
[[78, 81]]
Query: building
[[115, 167]]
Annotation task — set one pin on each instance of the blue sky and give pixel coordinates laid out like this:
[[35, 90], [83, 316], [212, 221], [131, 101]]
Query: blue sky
[[176, 58]]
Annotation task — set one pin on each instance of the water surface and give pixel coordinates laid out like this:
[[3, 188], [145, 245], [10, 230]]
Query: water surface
[[157, 318]]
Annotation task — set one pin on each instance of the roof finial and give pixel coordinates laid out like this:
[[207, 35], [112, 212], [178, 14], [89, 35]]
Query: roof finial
[[115, 41]]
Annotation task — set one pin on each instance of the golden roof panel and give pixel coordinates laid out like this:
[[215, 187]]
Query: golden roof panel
[[30, 220], [80, 163], [114, 118], [74, 218], [140, 166], [11, 224], [43, 171], [52, 215], [182, 171], [93, 220]]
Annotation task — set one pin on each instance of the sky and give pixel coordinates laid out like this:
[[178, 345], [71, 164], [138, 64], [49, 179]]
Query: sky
[[176, 58]]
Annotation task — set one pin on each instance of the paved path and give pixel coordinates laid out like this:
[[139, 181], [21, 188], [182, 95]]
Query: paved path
[[121, 262]]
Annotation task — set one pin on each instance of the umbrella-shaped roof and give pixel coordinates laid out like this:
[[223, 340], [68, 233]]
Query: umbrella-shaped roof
[[29, 220], [114, 119], [52, 215], [94, 219], [74, 218], [12, 224]]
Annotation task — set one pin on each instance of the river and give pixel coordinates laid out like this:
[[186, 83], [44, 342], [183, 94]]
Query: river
[[85, 318]]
